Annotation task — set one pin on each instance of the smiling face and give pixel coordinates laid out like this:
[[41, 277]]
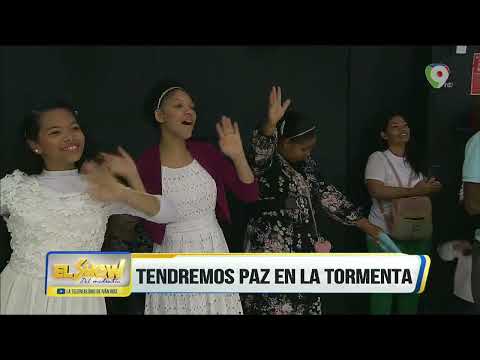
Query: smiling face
[[396, 132], [177, 115], [60, 140]]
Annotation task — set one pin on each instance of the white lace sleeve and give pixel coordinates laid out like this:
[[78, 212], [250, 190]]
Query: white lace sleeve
[[8, 185], [167, 214]]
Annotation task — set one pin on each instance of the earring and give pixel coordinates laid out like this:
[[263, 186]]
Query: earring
[[36, 151]]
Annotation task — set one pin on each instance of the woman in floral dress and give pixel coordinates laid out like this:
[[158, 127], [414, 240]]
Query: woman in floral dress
[[291, 188]]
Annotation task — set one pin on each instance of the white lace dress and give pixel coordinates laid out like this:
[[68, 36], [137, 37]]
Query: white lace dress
[[194, 193], [51, 212]]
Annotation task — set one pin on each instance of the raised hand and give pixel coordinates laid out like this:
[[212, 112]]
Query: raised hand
[[229, 138], [276, 109]]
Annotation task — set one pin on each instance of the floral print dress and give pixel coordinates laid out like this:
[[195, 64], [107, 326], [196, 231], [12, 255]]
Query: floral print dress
[[283, 219]]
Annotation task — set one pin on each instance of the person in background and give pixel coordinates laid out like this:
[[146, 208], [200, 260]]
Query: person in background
[[460, 250], [471, 188], [394, 173]]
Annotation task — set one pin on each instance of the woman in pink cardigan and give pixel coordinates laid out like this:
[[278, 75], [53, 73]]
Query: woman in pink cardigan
[[195, 176]]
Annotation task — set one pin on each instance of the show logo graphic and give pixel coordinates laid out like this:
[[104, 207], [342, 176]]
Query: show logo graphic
[[88, 274], [437, 75]]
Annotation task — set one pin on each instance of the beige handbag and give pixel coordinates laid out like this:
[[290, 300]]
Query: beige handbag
[[411, 218]]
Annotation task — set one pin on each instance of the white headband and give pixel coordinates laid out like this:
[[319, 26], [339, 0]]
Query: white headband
[[165, 93], [302, 133]]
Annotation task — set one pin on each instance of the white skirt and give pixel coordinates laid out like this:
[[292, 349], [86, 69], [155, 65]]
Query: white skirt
[[197, 236], [22, 294]]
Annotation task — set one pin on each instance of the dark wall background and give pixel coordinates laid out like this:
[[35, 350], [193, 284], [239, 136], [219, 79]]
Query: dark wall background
[[344, 87]]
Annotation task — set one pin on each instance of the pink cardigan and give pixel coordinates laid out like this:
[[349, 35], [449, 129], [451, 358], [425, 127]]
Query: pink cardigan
[[213, 161]]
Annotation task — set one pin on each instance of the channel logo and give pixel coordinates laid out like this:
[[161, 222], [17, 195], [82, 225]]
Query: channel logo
[[437, 75], [87, 274]]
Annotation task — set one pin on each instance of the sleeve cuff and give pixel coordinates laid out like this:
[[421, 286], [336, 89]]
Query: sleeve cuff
[[167, 214], [264, 141], [475, 180]]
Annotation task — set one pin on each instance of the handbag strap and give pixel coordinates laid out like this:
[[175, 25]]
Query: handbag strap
[[394, 170], [410, 178], [382, 209]]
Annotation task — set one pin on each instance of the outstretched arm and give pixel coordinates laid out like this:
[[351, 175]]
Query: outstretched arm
[[103, 186], [335, 203]]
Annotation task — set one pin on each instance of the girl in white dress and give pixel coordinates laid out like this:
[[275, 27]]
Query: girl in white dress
[[61, 210], [194, 175]]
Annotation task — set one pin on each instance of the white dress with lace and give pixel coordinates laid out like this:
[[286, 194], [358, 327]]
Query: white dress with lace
[[52, 212], [194, 192]]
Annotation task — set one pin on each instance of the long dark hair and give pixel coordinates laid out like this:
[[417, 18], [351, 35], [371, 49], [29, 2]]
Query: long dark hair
[[32, 164], [412, 154]]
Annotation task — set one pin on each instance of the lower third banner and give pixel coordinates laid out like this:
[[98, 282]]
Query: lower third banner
[[119, 274]]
